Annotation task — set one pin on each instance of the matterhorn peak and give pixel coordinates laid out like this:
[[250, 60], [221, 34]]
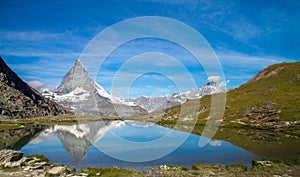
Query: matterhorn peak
[[78, 63], [76, 77]]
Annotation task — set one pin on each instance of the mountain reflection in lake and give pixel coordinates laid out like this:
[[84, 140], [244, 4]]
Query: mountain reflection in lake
[[76, 145]]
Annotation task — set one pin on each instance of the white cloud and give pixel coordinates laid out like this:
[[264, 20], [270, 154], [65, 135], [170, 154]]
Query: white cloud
[[236, 59], [39, 86], [36, 84], [214, 78], [41, 44], [29, 35]]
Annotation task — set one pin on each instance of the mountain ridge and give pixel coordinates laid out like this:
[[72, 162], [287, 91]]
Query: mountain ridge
[[19, 100]]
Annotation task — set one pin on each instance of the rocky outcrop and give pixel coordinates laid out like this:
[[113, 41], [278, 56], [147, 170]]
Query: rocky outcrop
[[268, 72], [18, 165], [19, 100], [263, 113], [10, 156]]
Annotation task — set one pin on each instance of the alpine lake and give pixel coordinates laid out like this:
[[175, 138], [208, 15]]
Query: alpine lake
[[143, 145], [131, 144]]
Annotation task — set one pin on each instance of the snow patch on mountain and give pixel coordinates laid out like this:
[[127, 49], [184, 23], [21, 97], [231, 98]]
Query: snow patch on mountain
[[116, 100], [79, 94]]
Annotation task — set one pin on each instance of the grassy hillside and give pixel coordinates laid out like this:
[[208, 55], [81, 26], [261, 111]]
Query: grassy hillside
[[275, 88], [262, 115], [270, 99]]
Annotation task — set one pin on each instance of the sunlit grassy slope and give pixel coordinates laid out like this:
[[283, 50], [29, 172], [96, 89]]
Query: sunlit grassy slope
[[262, 115], [277, 85], [276, 88]]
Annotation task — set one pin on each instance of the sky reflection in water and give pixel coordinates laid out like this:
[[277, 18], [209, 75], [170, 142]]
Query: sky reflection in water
[[78, 145]]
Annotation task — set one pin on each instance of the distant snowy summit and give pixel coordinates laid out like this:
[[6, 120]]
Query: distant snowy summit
[[81, 94], [158, 103]]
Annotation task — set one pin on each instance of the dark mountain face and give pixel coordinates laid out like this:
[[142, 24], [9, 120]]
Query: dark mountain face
[[76, 77], [19, 100]]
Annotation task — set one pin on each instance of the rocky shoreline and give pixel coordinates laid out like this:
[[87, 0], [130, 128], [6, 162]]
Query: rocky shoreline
[[14, 163]]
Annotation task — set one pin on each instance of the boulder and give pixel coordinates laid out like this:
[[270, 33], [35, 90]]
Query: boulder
[[10, 156], [57, 170]]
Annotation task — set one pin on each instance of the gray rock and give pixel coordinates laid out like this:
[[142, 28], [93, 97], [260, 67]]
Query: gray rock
[[10, 156], [27, 168], [57, 170], [18, 163]]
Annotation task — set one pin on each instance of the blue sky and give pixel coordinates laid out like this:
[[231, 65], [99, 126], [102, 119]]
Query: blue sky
[[41, 40]]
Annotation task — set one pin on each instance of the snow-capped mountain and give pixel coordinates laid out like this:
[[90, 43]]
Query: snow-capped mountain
[[149, 104], [209, 88], [81, 94], [159, 103]]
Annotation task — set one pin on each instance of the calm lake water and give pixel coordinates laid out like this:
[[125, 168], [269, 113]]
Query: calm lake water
[[133, 144]]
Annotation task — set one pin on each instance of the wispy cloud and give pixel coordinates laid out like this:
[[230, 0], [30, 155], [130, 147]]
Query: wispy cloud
[[29, 36], [241, 59], [40, 86], [40, 44], [50, 71], [240, 67]]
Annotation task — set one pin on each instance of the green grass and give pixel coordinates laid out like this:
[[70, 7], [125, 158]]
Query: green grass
[[236, 168], [39, 156], [112, 172], [8, 124], [282, 90]]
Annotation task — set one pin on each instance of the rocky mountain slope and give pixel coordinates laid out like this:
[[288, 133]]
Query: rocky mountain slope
[[80, 93], [19, 100]]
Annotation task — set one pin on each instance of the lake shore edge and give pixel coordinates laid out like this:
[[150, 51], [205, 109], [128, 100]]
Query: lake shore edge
[[14, 163], [260, 167]]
